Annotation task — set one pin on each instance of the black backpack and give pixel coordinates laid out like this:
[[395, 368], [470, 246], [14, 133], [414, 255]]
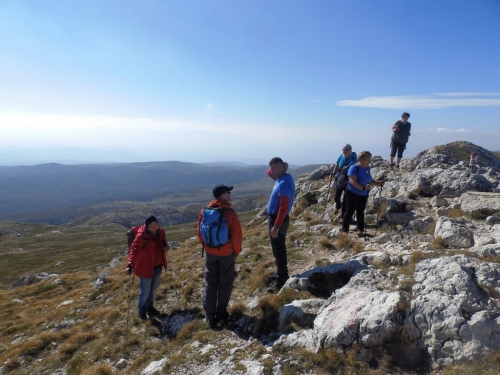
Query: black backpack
[[342, 178], [131, 234]]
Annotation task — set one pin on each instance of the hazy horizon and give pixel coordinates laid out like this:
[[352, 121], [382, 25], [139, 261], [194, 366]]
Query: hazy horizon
[[200, 81]]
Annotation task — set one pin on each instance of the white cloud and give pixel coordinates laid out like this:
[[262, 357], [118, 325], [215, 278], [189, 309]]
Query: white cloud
[[468, 94], [74, 130], [433, 101], [209, 106], [447, 130]]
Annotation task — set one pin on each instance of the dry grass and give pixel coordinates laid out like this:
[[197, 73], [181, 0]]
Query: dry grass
[[100, 335], [326, 243], [346, 243], [488, 365], [437, 243], [455, 213]]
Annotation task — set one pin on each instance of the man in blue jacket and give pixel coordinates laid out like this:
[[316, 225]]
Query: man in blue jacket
[[278, 208]]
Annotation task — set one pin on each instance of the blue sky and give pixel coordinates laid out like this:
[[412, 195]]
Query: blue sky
[[202, 81]]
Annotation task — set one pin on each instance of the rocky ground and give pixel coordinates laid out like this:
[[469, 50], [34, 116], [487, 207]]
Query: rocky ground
[[422, 285], [427, 274]]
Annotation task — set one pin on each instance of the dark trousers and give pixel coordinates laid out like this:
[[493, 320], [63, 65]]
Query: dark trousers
[[355, 203], [219, 277], [278, 245], [398, 148], [339, 202]]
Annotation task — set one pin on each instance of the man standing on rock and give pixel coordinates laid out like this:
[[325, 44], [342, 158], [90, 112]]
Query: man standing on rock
[[278, 208], [401, 131], [346, 159], [147, 257], [220, 260]]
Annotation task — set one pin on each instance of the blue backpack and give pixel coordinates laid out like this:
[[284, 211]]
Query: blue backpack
[[213, 227]]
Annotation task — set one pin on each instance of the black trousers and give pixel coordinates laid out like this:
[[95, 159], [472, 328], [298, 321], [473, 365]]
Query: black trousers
[[355, 203], [398, 148], [278, 245], [219, 277], [339, 202]]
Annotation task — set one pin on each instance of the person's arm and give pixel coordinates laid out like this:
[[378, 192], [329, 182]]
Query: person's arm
[[374, 183], [354, 182], [280, 217], [200, 237], [234, 226], [133, 252], [166, 246]]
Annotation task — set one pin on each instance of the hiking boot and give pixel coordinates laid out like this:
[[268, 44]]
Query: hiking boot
[[153, 312], [392, 165], [215, 324], [273, 289], [359, 233], [336, 211], [224, 320], [143, 317], [397, 166]]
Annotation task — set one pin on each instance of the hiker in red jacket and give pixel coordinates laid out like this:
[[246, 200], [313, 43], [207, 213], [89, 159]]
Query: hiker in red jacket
[[220, 261], [147, 258]]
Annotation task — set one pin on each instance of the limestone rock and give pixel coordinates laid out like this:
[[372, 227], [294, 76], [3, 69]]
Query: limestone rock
[[454, 232], [300, 312], [154, 367], [358, 315], [452, 315]]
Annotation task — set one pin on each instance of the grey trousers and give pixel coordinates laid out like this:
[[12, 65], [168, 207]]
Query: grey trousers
[[219, 277]]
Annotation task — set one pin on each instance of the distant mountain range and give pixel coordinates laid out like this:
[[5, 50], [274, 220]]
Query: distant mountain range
[[56, 193]]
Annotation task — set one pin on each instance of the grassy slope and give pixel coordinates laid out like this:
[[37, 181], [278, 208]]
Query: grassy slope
[[101, 335]]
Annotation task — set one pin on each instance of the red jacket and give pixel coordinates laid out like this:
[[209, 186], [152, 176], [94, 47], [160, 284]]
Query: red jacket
[[148, 251], [233, 226]]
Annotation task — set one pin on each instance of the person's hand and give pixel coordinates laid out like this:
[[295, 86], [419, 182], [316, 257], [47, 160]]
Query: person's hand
[[130, 268], [274, 231]]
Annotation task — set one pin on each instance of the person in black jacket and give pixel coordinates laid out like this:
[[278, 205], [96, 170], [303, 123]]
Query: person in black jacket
[[401, 131]]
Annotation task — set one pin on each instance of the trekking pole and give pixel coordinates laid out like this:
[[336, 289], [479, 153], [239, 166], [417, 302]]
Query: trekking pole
[[129, 289], [173, 277], [378, 209], [327, 195]]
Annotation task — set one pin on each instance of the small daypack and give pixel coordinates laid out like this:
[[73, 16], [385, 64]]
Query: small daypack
[[131, 233], [343, 178], [213, 227]]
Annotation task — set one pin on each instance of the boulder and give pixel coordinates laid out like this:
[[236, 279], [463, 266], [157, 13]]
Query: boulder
[[421, 225], [452, 315], [154, 367], [301, 313], [454, 232], [358, 315]]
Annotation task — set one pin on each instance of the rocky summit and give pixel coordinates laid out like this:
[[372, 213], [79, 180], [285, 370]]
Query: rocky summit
[[422, 284], [426, 271], [434, 208]]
